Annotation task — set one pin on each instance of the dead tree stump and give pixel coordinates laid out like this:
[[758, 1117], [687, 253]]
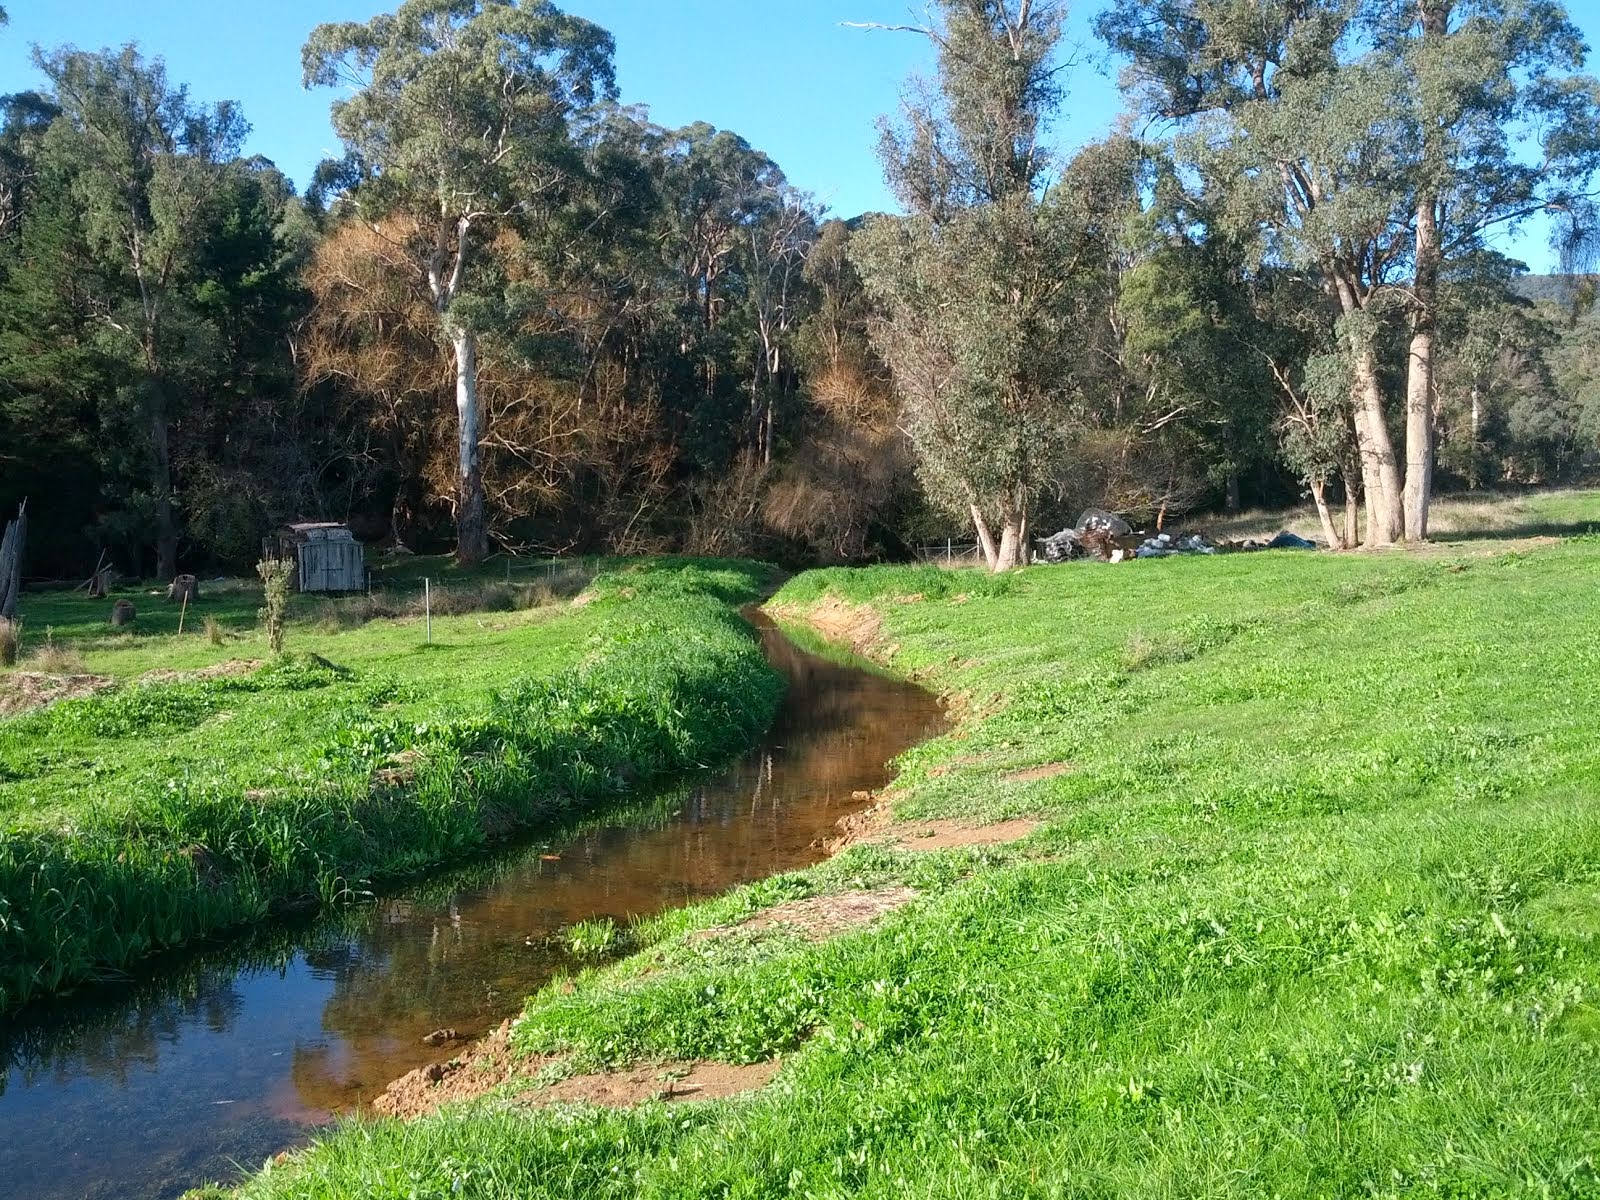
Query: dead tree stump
[[123, 613], [184, 587]]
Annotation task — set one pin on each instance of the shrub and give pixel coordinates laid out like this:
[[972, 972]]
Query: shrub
[[275, 575]]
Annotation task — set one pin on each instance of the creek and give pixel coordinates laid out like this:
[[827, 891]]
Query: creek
[[215, 1059]]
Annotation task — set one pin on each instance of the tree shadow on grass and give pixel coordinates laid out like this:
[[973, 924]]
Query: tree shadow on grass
[[1526, 529]]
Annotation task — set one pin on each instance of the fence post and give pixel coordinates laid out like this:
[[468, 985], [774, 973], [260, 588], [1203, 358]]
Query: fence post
[[427, 607]]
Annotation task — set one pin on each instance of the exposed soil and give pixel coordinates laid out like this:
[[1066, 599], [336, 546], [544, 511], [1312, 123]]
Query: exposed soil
[[482, 1068], [1047, 771], [490, 1064], [861, 826], [877, 825], [817, 918], [670, 1082], [953, 835], [854, 625], [22, 691]]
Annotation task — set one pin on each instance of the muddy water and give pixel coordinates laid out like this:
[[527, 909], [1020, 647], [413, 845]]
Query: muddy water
[[218, 1060]]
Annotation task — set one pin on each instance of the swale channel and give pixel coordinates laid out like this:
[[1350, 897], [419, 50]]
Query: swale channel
[[217, 1059]]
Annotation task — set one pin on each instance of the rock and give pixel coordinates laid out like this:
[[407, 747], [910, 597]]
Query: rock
[[1098, 520], [1290, 541], [440, 1036]]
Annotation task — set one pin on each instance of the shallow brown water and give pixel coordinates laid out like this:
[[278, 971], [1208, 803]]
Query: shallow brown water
[[222, 1058]]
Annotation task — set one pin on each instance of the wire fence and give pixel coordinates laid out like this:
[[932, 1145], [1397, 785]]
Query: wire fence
[[951, 553]]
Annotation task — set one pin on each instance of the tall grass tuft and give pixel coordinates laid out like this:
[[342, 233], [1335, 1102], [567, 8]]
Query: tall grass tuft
[[10, 639], [52, 658], [213, 630]]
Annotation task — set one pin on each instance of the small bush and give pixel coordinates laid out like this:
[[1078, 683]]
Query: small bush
[[275, 575]]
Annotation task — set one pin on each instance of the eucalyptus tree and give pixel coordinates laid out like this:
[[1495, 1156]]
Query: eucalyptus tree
[[974, 284], [142, 165], [25, 118], [1501, 125], [776, 249], [459, 119], [1299, 135]]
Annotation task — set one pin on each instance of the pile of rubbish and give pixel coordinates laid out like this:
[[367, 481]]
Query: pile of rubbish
[[1107, 537], [1164, 544], [1098, 534]]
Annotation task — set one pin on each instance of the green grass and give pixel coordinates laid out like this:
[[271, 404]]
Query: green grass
[[165, 809], [1314, 913]]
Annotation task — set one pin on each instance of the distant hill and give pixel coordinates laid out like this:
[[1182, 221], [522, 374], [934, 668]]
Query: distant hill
[[1559, 289]]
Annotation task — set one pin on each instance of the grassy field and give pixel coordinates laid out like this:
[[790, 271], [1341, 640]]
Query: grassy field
[[1313, 910], [182, 799]]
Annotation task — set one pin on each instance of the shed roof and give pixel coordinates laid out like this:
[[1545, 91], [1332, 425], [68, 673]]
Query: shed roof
[[320, 531]]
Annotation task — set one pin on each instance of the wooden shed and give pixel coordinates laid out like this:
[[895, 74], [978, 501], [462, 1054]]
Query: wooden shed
[[328, 556]]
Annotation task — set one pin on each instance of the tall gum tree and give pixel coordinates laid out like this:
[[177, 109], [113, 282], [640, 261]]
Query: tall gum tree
[[1501, 125], [1280, 113], [974, 284], [460, 118]]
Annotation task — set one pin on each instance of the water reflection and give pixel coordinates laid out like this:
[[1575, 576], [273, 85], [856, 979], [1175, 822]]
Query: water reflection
[[227, 1057]]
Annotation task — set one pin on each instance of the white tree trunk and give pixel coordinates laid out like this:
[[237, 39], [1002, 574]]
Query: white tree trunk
[[1352, 514], [472, 540], [991, 555], [1419, 380], [1380, 472], [1419, 435], [1319, 494], [1477, 433], [1013, 551]]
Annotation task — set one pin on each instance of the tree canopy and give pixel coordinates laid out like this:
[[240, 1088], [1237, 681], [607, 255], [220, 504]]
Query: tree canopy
[[517, 314]]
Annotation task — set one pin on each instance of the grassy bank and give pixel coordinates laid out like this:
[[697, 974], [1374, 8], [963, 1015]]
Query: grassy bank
[[1313, 910], [174, 805]]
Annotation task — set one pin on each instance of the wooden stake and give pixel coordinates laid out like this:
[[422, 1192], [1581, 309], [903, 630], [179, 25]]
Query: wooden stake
[[184, 611]]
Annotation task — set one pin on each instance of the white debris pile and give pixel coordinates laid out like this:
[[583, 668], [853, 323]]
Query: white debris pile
[[1164, 544]]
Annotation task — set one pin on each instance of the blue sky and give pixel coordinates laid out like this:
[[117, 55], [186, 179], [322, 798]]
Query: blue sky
[[785, 74]]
